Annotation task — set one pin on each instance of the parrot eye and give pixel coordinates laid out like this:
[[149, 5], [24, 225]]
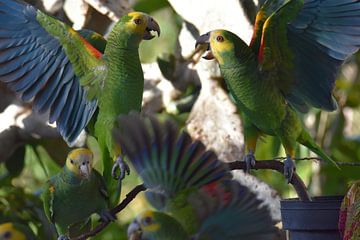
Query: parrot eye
[[71, 161], [7, 235], [137, 21], [220, 38], [147, 220]]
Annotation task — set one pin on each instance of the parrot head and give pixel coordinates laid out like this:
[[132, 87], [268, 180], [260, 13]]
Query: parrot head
[[220, 44], [8, 231], [79, 162], [138, 26], [152, 225]]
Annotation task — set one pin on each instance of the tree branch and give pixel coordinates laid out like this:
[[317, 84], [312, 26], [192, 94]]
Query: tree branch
[[129, 197], [273, 164], [296, 181]]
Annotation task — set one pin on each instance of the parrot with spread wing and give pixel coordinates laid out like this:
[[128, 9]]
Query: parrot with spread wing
[[66, 74], [290, 65], [192, 191], [71, 196], [15, 231]]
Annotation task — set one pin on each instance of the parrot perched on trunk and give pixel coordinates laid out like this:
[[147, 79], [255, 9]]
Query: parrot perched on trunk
[[71, 196], [191, 189], [47, 62], [290, 65], [15, 231]]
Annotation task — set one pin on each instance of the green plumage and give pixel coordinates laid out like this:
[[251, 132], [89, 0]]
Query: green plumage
[[78, 77], [289, 66], [190, 188], [69, 198]]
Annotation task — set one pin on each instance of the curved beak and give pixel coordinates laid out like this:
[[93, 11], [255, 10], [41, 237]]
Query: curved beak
[[204, 42], [152, 26], [134, 231], [85, 170]]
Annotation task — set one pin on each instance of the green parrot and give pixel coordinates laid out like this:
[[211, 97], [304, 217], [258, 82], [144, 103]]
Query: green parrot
[[47, 62], [192, 191], [290, 65], [15, 231], [78, 191]]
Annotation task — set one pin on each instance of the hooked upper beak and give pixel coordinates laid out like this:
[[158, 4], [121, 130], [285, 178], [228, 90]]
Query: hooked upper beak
[[85, 170], [152, 26], [134, 231], [204, 40]]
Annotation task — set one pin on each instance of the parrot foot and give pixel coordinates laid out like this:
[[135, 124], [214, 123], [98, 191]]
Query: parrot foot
[[106, 216], [250, 161], [123, 167], [289, 169], [63, 237]]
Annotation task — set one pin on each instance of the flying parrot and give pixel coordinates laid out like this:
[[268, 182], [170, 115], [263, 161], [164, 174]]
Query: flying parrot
[[15, 231], [65, 74], [78, 191], [290, 65], [192, 191]]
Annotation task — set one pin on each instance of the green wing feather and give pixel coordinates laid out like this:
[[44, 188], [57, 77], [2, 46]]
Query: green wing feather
[[85, 58], [268, 8], [274, 55], [48, 198]]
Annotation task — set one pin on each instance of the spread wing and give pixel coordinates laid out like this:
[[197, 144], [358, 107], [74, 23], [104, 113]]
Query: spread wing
[[46, 61], [305, 44]]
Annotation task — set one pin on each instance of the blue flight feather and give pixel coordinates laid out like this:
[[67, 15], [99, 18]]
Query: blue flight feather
[[167, 161], [34, 64]]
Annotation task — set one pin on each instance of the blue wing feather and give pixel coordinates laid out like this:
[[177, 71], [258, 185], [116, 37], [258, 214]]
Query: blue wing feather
[[34, 64], [321, 37], [167, 161]]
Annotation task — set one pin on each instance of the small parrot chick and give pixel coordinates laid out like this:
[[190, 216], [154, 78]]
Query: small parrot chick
[[71, 196], [15, 231]]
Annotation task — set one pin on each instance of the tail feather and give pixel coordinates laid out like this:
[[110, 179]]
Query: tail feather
[[306, 140]]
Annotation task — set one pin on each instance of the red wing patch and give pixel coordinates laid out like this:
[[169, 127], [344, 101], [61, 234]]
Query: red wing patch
[[91, 48]]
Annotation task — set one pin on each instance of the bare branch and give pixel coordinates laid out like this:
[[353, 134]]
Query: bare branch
[[129, 197], [273, 164], [296, 181]]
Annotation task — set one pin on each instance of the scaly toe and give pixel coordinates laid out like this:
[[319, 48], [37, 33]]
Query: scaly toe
[[289, 169], [249, 161], [123, 168]]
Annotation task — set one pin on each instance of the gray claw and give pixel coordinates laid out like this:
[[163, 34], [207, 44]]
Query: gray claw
[[106, 216], [123, 167], [249, 161], [289, 169], [63, 237]]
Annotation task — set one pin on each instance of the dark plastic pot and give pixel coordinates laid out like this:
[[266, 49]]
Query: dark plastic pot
[[315, 220]]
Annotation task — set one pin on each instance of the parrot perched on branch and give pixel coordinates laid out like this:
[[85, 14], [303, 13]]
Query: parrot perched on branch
[[290, 65], [15, 231], [191, 189], [71, 196], [47, 62]]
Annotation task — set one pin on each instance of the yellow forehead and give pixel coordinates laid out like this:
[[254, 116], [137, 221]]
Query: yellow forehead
[[15, 234], [5, 227], [150, 227], [136, 15], [219, 47], [134, 27], [77, 153]]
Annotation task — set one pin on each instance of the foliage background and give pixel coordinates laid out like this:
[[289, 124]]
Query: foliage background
[[23, 174]]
